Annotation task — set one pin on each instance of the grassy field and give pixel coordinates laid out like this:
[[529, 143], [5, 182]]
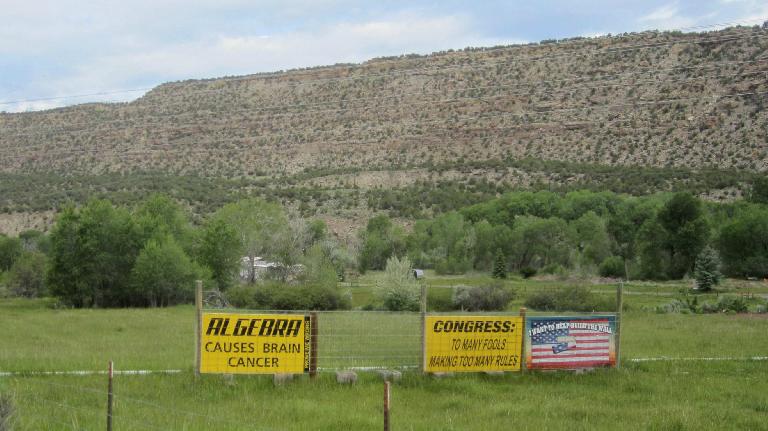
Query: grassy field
[[673, 395]]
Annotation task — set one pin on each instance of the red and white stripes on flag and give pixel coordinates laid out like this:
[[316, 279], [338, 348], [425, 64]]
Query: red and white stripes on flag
[[574, 348]]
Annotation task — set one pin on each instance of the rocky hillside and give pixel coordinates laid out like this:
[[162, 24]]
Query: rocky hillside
[[659, 100]]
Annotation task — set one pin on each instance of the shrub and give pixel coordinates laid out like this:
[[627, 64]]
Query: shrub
[[676, 306], [282, 296], [26, 275], [707, 269], [398, 290], [726, 303], [543, 301], [440, 302], [554, 269], [574, 298], [399, 300], [490, 297], [242, 295], [613, 267], [453, 265], [527, 271]]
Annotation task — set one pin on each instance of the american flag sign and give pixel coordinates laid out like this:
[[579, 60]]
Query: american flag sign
[[570, 342]]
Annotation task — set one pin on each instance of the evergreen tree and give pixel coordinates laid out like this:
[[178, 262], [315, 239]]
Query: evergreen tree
[[500, 265], [707, 271]]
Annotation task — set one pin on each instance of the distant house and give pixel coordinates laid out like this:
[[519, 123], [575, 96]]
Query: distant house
[[263, 267], [260, 267], [418, 273]]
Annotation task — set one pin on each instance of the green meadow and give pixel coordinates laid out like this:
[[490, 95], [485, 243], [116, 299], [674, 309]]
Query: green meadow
[[683, 394]]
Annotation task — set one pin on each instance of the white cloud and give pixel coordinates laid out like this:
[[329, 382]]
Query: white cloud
[[667, 17], [348, 42], [755, 12]]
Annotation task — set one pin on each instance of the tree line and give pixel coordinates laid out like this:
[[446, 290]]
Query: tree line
[[657, 236], [102, 255]]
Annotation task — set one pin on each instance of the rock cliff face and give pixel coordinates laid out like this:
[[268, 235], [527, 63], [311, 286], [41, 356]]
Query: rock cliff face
[[650, 99], [659, 100]]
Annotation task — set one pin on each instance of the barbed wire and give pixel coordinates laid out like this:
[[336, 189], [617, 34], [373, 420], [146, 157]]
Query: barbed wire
[[119, 398]]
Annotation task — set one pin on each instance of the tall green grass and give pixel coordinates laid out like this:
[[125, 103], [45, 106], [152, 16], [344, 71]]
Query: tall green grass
[[650, 395]]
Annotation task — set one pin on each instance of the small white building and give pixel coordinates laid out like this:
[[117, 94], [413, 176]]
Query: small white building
[[260, 267]]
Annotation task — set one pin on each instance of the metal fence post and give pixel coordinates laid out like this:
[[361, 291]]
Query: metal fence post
[[313, 345], [619, 306], [523, 310], [199, 324], [109, 398]]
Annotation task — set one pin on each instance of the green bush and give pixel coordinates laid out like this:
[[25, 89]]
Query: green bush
[[397, 289], [281, 296], [676, 306], [574, 298], [440, 302], [452, 266], [527, 271], [400, 301], [26, 276], [490, 297], [242, 295], [726, 303], [613, 267], [543, 300]]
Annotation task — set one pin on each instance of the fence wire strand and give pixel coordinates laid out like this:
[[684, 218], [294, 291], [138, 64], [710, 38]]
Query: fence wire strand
[[95, 407]]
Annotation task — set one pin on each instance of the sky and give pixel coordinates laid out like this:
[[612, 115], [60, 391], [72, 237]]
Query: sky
[[61, 52]]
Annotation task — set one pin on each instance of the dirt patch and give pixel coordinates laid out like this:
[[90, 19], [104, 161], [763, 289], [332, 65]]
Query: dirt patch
[[14, 223]]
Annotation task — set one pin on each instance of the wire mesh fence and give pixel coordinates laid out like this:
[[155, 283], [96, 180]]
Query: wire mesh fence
[[370, 340]]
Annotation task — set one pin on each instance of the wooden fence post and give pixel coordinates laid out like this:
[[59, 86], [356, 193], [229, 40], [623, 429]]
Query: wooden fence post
[[523, 310], [423, 312], [313, 345], [386, 405], [198, 324], [110, 398], [619, 312]]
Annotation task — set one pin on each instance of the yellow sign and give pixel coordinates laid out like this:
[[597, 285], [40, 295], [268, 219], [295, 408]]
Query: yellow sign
[[254, 343], [473, 343]]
